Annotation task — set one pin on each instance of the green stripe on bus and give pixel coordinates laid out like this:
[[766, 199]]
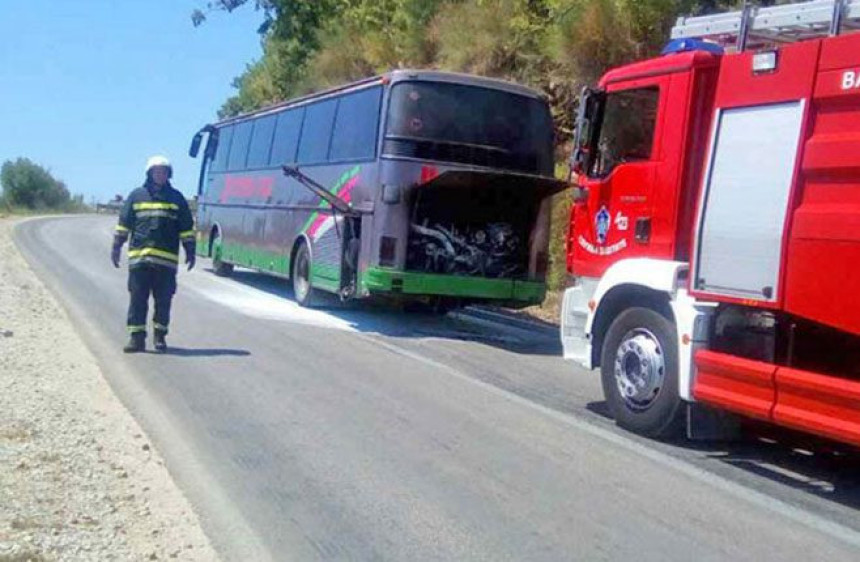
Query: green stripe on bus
[[383, 280], [244, 256]]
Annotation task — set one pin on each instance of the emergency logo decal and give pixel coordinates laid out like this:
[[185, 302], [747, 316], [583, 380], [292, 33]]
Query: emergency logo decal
[[602, 222]]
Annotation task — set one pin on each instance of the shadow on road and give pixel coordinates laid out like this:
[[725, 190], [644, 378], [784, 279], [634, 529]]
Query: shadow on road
[[388, 319], [600, 408], [186, 352], [828, 470]]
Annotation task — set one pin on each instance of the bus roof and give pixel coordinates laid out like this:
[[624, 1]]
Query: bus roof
[[400, 75]]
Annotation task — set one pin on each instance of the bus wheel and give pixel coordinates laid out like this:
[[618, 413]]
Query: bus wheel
[[639, 371], [301, 277], [221, 269]]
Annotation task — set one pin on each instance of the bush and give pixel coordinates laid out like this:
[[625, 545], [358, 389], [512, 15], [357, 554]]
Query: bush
[[29, 186]]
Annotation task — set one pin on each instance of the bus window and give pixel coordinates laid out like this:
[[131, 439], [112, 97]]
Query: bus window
[[239, 146], [316, 132], [261, 142], [286, 140], [219, 163], [356, 125]]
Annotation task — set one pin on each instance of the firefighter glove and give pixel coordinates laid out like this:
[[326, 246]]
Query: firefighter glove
[[115, 253], [190, 257]]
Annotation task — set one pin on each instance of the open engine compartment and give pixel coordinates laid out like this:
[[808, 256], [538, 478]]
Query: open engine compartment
[[473, 229]]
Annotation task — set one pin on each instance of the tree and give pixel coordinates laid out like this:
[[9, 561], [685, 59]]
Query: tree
[[29, 185]]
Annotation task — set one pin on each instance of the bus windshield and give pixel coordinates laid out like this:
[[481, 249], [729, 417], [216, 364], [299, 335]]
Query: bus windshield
[[470, 125]]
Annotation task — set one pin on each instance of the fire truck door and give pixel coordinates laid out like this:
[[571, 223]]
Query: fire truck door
[[744, 204]]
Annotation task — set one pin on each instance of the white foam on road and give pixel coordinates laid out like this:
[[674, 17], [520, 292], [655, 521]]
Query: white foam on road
[[257, 303]]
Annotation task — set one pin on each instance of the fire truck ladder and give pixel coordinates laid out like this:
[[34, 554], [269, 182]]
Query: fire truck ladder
[[756, 26]]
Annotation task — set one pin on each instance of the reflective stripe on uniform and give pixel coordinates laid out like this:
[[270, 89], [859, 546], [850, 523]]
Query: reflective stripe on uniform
[[136, 329], [141, 252], [187, 234], [156, 213], [160, 327], [155, 206], [152, 259], [121, 228]]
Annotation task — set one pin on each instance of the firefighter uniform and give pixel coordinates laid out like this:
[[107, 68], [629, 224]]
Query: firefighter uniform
[[154, 219]]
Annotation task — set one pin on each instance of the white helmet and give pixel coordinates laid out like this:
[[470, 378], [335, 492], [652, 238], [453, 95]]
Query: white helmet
[[159, 161]]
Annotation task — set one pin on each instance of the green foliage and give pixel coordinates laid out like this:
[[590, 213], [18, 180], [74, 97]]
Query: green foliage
[[27, 185]]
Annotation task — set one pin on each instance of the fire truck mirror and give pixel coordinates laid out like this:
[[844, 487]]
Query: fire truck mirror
[[589, 101]]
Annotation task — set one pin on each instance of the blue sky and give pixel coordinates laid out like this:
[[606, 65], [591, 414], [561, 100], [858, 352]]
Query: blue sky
[[91, 88]]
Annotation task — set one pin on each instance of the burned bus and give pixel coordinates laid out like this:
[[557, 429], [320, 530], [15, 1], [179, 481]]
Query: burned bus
[[425, 185]]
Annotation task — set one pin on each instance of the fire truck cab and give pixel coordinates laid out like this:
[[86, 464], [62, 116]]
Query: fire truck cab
[[715, 237]]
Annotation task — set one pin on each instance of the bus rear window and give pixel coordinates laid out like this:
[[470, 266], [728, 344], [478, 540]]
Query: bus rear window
[[470, 125]]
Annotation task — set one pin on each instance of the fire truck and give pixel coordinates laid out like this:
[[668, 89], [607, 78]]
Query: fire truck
[[715, 233]]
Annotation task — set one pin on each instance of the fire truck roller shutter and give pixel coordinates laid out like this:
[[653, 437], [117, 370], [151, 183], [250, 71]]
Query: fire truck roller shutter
[[744, 204]]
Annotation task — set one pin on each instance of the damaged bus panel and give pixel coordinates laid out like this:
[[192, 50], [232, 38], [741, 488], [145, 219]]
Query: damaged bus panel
[[421, 185]]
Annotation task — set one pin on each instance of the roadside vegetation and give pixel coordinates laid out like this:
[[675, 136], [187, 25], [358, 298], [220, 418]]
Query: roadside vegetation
[[556, 46], [29, 188]]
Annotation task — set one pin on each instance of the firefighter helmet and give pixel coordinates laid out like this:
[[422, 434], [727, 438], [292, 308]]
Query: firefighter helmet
[[157, 161]]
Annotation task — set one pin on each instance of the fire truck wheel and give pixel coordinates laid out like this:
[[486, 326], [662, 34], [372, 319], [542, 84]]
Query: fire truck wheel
[[221, 269], [301, 276], [639, 371]]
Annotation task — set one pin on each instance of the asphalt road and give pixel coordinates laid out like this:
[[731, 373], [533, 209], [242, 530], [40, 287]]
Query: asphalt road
[[365, 434]]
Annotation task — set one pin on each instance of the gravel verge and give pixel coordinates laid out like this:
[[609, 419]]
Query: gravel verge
[[79, 479]]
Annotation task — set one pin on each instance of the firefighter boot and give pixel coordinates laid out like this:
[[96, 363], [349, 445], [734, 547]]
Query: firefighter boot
[[136, 343], [160, 342]]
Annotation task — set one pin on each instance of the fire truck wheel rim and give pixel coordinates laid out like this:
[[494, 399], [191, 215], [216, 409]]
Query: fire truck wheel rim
[[640, 369]]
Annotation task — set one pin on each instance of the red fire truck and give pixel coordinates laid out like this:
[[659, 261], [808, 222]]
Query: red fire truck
[[715, 236]]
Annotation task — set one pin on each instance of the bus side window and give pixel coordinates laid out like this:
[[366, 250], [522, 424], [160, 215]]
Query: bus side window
[[286, 141], [261, 142], [219, 163], [356, 126], [627, 130], [316, 132], [239, 146]]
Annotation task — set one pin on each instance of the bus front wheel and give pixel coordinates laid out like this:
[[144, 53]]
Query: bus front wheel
[[301, 277], [221, 268]]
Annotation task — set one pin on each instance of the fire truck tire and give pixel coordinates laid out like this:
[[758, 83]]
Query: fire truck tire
[[221, 269], [639, 372], [303, 289]]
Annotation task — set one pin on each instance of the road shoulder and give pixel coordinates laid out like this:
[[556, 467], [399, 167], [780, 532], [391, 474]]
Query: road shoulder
[[79, 478]]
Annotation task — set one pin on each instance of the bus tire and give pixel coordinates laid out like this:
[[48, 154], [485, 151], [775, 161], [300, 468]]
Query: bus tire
[[220, 268], [303, 289], [639, 372]]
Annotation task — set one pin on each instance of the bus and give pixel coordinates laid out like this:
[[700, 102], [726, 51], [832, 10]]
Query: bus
[[419, 185]]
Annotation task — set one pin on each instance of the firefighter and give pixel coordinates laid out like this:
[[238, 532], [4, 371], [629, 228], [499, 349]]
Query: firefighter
[[155, 219]]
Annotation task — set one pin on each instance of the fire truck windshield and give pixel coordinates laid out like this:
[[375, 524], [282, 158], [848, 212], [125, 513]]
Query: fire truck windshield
[[470, 125]]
